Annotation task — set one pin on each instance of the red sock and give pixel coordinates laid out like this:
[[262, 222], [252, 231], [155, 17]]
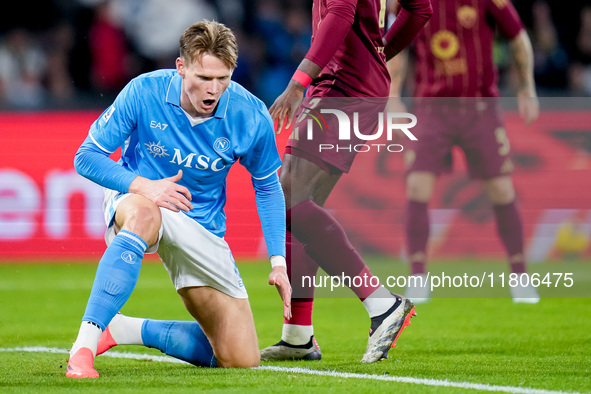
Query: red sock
[[417, 234], [299, 264], [301, 313]]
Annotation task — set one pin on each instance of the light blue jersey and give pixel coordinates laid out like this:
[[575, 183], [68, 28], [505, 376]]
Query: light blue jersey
[[157, 139]]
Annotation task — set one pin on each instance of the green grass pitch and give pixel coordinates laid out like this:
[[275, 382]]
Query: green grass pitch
[[466, 342]]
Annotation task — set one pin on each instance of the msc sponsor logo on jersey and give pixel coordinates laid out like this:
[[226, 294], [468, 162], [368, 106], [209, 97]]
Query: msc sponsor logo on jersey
[[191, 160], [200, 162], [222, 144]]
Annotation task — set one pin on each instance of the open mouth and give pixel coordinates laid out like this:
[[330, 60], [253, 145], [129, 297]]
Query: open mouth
[[208, 103]]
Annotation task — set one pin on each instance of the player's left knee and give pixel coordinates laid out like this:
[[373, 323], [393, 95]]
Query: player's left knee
[[240, 359], [237, 352]]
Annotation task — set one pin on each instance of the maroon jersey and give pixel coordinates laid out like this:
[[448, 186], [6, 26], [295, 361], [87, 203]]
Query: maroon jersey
[[454, 51], [347, 44], [358, 67]]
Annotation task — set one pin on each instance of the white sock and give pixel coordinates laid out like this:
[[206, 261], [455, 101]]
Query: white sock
[[295, 334], [88, 336], [126, 330], [379, 302]]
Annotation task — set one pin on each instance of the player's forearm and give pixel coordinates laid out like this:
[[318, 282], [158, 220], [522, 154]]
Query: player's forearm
[[413, 15], [311, 71], [397, 69], [93, 163], [271, 209], [522, 52]]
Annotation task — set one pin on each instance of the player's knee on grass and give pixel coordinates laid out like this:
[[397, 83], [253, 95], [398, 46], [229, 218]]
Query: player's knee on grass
[[238, 346], [238, 356], [228, 324]]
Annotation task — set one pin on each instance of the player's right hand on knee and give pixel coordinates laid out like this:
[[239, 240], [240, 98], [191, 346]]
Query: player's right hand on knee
[[166, 192]]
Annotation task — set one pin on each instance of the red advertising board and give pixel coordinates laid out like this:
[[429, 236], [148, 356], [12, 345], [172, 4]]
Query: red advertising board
[[552, 176], [47, 211]]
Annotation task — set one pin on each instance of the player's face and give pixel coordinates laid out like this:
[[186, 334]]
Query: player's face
[[204, 81]]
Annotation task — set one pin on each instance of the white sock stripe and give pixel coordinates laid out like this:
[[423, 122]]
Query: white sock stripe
[[387, 378], [142, 245]]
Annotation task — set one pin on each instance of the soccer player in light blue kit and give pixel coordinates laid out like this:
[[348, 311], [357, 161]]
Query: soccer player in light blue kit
[[180, 131]]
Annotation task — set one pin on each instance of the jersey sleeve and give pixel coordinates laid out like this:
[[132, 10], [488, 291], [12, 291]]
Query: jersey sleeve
[[271, 209], [412, 16], [332, 31], [95, 164], [109, 132], [506, 17], [116, 124], [262, 158]]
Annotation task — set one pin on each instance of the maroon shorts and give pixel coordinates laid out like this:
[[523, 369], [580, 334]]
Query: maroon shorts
[[315, 134], [473, 124]]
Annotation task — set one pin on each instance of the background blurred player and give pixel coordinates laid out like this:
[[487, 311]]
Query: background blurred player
[[454, 59], [347, 58], [180, 132]]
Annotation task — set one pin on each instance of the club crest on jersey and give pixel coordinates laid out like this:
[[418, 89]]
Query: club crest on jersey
[[156, 149], [444, 44], [222, 144]]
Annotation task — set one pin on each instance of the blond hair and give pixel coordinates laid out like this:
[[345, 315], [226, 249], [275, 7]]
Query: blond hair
[[212, 38]]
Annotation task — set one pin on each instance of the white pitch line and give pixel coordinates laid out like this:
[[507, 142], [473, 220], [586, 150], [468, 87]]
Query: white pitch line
[[306, 371], [134, 356]]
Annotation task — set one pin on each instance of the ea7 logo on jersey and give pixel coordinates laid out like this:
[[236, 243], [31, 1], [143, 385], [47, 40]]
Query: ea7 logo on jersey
[[158, 125]]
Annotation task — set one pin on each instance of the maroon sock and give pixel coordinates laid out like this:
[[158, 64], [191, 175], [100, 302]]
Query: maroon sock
[[299, 265], [326, 242], [417, 234], [510, 229], [301, 313]]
